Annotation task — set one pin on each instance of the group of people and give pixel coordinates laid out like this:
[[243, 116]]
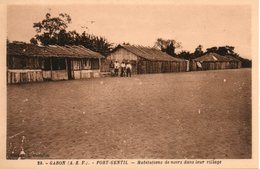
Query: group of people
[[125, 69]]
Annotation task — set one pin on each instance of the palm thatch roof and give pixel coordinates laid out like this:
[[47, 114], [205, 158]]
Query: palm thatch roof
[[23, 49], [30, 50], [59, 51], [213, 57], [149, 53], [233, 58], [84, 51]]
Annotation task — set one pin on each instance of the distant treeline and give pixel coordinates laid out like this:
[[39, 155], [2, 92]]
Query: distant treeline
[[169, 46], [222, 50]]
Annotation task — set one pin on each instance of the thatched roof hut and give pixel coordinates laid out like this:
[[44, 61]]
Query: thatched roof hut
[[212, 57], [51, 62], [31, 50], [82, 51], [147, 59], [24, 49], [212, 61], [149, 53]]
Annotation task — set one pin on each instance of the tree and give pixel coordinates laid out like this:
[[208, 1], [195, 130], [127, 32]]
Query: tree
[[167, 45], [185, 55], [95, 43], [33, 41], [212, 49], [198, 51], [222, 50], [226, 50], [7, 41], [52, 31], [49, 28]]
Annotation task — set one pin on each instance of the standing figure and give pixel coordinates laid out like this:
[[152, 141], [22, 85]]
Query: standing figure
[[122, 69], [128, 69], [116, 66]]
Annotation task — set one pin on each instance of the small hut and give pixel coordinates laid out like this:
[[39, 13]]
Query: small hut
[[32, 63], [147, 60], [213, 61]]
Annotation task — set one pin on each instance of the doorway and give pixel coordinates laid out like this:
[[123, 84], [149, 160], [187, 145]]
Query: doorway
[[70, 76]]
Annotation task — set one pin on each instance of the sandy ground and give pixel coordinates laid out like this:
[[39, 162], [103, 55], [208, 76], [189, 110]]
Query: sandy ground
[[177, 115]]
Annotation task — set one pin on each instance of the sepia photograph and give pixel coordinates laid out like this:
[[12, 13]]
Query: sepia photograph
[[129, 81]]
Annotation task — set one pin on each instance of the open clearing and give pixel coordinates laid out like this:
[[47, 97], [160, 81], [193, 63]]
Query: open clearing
[[204, 114]]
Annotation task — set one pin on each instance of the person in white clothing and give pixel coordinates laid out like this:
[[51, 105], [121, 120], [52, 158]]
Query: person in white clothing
[[122, 68], [116, 66], [128, 69]]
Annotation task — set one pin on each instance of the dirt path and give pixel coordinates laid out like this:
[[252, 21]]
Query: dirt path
[[179, 115]]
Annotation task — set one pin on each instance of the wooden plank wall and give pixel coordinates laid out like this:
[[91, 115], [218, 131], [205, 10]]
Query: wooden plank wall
[[145, 66], [46, 75], [23, 76], [105, 65], [59, 75], [193, 66], [121, 54], [81, 71], [216, 65]]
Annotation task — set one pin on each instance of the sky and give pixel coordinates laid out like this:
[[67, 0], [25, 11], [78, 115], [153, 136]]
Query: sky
[[192, 25]]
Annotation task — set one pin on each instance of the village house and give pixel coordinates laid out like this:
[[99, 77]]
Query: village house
[[33, 63], [213, 61], [147, 60]]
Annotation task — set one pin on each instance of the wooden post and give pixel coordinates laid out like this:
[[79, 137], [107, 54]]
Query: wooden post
[[66, 67], [51, 67], [80, 67], [66, 64], [99, 60], [136, 66]]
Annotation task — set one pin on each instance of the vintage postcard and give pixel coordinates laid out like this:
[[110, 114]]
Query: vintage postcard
[[129, 84]]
